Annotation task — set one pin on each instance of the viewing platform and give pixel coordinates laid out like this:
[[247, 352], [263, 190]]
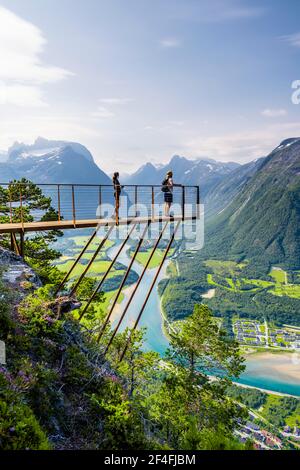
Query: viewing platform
[[87, 206], [88, 223]]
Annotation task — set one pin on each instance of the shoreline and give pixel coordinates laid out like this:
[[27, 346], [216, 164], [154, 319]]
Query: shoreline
[[117, 311], [265, 390], [165, 323], [289, 373], [267, 350], [164, 319]]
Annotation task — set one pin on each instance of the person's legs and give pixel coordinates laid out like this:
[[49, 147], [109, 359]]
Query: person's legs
[[115, 211], [168, 206], [117, 206]]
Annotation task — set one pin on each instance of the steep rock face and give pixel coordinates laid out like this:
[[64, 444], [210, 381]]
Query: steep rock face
[[16, 273], [20, 277]]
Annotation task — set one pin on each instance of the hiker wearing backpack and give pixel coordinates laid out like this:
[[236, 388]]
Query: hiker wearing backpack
[[167, 189]]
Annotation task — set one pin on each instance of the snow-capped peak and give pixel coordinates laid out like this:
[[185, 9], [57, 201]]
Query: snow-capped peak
[[42, 147]]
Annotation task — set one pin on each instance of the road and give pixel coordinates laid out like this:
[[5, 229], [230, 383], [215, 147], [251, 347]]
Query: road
[[267, 333]]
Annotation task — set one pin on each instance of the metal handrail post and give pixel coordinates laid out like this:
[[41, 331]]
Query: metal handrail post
[[73, 206], [21, 209], [58, 202], [183, 203]]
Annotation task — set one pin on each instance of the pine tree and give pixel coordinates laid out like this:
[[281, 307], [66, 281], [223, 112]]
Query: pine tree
[[18, 203]]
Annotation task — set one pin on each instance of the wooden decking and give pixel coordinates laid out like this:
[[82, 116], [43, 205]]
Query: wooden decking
[[70, 224]]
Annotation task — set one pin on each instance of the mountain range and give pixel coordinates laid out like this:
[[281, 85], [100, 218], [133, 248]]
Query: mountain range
[[50, 161], [205, 172], [55, 161]]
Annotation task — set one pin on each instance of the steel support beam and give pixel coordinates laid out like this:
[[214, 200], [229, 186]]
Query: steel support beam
[[107, 272], [150, 290], [123, 281], [75, 263], [136, 286], [103, 241]]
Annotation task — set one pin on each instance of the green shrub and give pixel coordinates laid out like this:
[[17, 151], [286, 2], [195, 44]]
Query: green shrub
[[19, 429]]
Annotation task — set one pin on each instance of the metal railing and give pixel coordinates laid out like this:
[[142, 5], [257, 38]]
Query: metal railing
[[74, 202]]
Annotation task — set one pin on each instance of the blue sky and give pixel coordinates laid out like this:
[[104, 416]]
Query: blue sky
[[141, 80]]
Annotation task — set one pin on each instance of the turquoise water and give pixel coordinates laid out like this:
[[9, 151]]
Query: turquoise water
[[151, 318], [260, 370]]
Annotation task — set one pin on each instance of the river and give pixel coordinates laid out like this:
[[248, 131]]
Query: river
[[274, 372]]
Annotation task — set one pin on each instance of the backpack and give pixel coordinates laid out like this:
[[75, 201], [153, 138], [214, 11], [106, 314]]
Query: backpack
[[164, 187]]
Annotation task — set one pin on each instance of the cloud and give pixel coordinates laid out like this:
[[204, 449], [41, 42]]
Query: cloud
[[215, 11], [167, 126], [245, 145], [273, 113], [57, 127], [103, 113], [176, 123], [115, 101], [292, 39], [21, 95], [21, 47], [169, 43]]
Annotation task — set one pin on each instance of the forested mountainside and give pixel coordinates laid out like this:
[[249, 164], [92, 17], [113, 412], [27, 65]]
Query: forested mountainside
[[220, 195], [263, 220], [51, 161], [258, 229]]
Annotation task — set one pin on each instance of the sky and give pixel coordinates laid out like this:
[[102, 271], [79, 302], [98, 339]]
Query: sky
[[142, 80]]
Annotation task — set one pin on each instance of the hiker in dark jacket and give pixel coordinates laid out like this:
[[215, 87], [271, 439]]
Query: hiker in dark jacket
[[117, 193]]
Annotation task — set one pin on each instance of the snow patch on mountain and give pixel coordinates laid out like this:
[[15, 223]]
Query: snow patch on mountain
[[287, 143], [44, 147], [52, 161], [40, 152]]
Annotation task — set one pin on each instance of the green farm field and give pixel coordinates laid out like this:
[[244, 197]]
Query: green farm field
[[228, 275], [143, 256]]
